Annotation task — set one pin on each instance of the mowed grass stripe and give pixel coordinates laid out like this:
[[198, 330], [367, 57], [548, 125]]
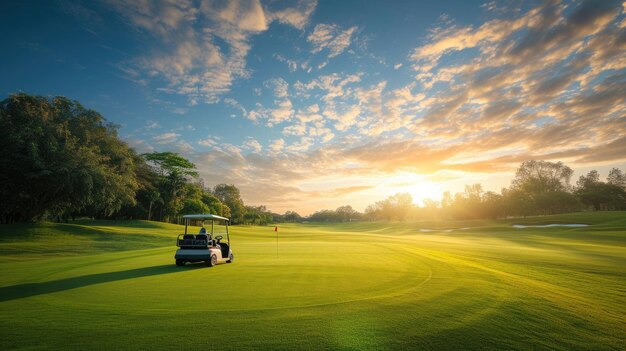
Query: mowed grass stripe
[[333, 286]]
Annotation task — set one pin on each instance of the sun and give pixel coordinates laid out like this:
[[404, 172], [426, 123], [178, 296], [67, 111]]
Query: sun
[[424, 190], [420, 187]]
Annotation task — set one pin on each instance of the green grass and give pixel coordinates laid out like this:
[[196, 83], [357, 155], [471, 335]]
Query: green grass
[[114, 285]]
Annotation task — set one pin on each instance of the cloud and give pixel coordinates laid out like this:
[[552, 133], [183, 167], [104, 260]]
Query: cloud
[[253, 145], [350, 189], [277, 145], [345, 119], [235, 104], [296, 16], [166, 138], [188, 59], [150, 124], [141, 146], [330, 37], [183, 147], [291, 64], [545, 83], [282, 112], [234, 18], [279, 86], [302, 145], [180, 110], [209, 141]]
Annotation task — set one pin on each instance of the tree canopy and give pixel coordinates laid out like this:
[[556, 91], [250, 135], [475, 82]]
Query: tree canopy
[[60, 158], [230, 196]]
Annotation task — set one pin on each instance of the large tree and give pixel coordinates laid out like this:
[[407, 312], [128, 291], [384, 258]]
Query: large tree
[[546, 184], [60, 158], [536, 177]]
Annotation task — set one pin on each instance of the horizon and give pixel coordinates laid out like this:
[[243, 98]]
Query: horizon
[[306, 108]]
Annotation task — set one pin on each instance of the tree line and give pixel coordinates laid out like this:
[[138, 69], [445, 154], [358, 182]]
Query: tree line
[[61, 161], [538, 188]]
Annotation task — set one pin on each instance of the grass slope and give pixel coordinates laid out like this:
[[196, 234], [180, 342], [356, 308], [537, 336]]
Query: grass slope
[[114, 285]]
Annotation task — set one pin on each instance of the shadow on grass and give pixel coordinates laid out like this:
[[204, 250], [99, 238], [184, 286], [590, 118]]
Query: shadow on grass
[[33, 289]]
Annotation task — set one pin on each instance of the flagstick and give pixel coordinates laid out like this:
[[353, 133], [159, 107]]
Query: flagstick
[[277, 244]]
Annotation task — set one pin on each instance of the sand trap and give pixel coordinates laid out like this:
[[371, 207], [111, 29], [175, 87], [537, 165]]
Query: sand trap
[[519, 226], [441, 230]]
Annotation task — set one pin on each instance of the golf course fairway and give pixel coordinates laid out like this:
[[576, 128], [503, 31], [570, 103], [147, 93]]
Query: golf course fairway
[[363, 285]]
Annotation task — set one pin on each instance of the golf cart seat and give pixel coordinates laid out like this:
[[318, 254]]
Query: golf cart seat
[[202, 237], [187, 241]]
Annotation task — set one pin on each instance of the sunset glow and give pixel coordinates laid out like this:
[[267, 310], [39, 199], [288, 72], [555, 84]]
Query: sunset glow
[[307, 105], [422, 191]]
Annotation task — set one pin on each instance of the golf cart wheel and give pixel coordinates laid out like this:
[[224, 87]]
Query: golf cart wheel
[[212, 262], [230, 258], [180, 263]]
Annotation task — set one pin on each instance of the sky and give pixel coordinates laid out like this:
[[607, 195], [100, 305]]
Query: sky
[[309, 105]]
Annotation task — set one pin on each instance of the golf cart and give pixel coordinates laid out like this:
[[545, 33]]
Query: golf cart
[[205, 246]]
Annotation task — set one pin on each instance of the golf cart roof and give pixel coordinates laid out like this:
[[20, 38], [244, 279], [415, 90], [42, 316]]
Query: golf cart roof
[[205, 216]]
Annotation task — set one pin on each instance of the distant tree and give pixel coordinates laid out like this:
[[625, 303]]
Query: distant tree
[[148, 198], [277, 218], [215, 205], [324, 216], [401, 204], [518, 203], [191, 198], [292, 217], [492, 205], [553, 202], [168, 163], [395, 207], [257, 215], [346, 213], [193, 206], [473, 200], [446, 200], [430, 210], [601, 196], [465, 205], [230, 196], [174, 171], [616, 177]]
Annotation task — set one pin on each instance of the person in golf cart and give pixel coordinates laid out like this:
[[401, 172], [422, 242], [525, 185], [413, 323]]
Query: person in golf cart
[[208, 237], [203, 232], [205, 246]]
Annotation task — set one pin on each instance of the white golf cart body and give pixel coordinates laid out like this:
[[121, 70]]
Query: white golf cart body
[[205, 246]]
